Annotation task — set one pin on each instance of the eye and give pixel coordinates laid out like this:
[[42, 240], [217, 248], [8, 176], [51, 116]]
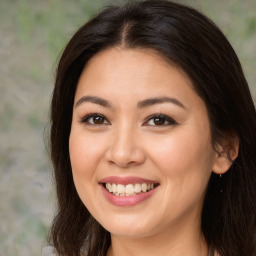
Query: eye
[[159, 120], [95, 119]]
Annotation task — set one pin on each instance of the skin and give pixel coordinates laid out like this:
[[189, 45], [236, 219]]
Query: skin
[[179, 156]]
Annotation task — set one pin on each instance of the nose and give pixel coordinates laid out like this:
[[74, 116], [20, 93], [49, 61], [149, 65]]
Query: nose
[[125, 149]]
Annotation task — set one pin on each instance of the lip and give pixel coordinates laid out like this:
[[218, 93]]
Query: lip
[[126, 180], [126, 201]]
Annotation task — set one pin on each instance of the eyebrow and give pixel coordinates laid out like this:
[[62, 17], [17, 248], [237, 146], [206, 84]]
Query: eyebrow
[[141, 104], [93, 99], [159, 100]]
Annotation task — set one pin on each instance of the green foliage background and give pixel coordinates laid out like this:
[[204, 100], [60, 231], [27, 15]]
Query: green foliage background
[[32, 35]]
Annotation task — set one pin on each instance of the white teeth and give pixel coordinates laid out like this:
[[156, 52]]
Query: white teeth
[[137, 188], [120, 189], [144, 187], [114, 188], [128, 190], [109, 187]]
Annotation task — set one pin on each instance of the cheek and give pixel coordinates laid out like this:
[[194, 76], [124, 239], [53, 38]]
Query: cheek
[[185, 155], [85, 152], [185, 164], [84, 156]]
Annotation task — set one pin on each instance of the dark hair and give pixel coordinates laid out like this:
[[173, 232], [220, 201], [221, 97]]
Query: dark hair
[[187, 38]]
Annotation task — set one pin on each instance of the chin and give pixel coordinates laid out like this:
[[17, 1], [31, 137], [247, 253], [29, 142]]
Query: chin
[[124, 232], [127, 228]]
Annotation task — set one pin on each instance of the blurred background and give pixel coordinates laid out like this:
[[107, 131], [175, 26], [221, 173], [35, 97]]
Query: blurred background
[[32, 36]]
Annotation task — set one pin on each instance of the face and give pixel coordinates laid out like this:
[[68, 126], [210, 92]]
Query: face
[[140, 144]]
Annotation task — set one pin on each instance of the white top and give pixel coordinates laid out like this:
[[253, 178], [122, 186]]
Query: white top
[[49, 251]]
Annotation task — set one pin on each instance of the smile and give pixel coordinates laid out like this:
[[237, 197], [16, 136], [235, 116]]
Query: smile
[[130, 189]]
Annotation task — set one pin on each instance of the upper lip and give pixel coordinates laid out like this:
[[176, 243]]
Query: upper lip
[[127, 180]]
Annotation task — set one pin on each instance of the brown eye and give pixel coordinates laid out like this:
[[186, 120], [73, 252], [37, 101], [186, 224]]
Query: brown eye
[[98, 120], [159, 121], [95, 119]]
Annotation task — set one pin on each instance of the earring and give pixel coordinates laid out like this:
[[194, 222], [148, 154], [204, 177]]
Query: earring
[[221, 183]]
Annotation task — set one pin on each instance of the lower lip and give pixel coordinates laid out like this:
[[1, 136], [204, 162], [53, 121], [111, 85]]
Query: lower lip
[[127, 200]]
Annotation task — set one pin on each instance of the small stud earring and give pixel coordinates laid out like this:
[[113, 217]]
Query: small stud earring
[[221, 184]]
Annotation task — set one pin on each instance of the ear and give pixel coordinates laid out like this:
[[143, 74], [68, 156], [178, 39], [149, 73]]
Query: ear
[[226, 153]]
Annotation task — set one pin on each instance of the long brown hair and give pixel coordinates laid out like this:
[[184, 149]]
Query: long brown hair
[[194, 43]]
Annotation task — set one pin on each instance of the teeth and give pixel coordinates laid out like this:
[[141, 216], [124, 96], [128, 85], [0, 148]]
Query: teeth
[[120, 189], [109, 187], [128, 190], [144, 187], [137, 188], [114, 188]]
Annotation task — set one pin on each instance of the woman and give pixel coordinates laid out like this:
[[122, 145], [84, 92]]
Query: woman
[[152, 138]]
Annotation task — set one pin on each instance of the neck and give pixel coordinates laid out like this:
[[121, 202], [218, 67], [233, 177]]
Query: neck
[[182, 242]]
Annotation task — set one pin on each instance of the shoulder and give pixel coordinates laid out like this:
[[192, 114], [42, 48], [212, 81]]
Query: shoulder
[[48, 251]]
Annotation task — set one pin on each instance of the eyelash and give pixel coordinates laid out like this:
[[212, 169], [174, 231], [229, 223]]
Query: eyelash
[[93, 115], [160, 116], [166, 118]]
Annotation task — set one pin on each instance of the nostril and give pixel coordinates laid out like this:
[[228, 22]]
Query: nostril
[[122, 164], [125, 152]]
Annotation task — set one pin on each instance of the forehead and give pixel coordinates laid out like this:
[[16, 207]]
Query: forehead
[[136, 71]]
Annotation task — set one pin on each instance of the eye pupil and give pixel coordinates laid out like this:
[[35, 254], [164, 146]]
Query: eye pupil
[[159, 121], [98, 120]]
